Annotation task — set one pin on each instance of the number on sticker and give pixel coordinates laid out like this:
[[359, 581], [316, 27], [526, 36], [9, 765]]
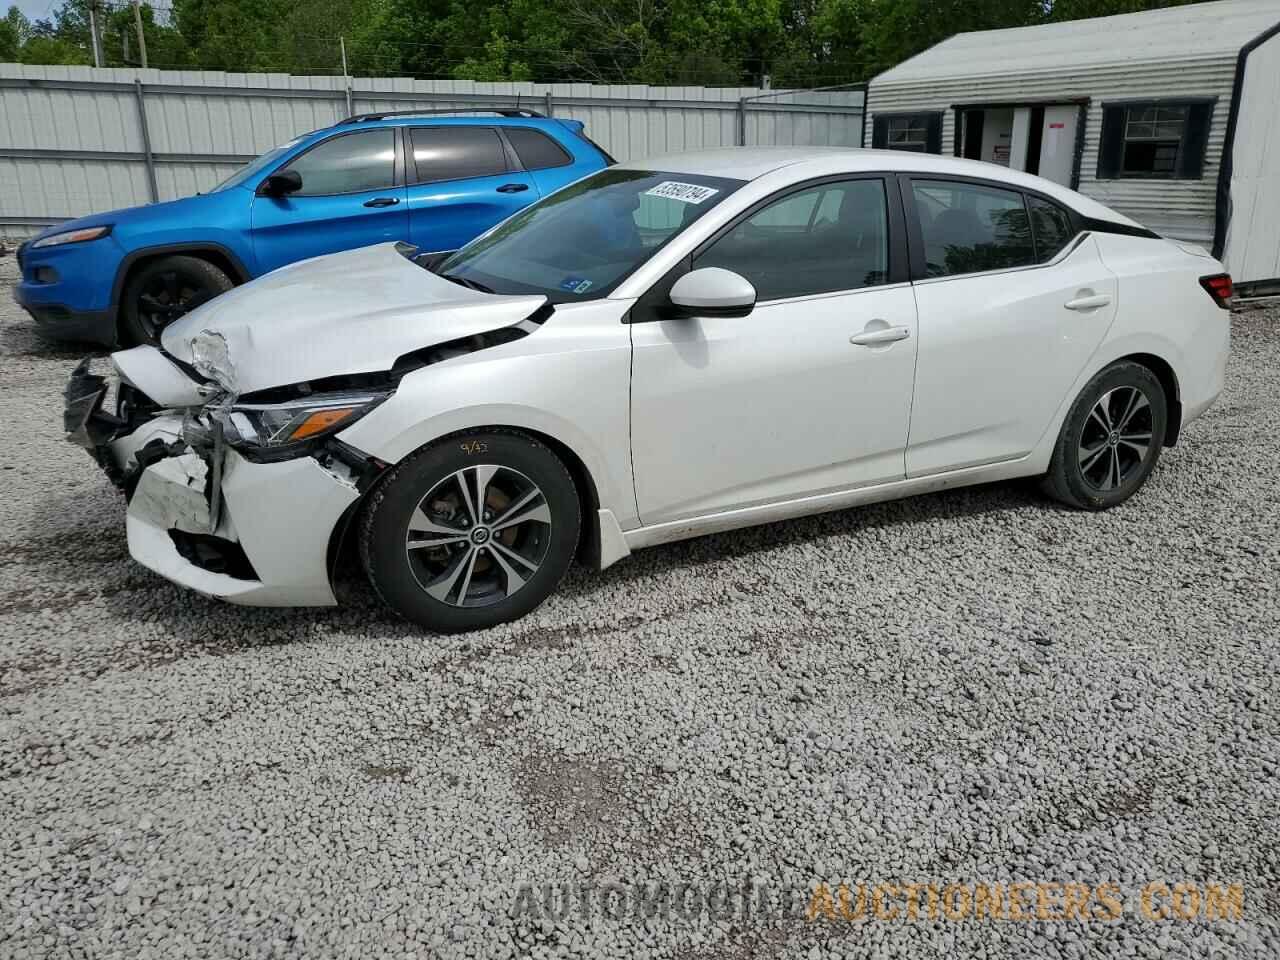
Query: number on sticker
[[684, 192]]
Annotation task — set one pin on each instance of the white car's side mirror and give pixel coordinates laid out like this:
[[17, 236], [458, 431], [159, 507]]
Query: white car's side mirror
[[713, 292]]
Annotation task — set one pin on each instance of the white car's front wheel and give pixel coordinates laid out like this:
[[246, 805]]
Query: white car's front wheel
[[473, 531]]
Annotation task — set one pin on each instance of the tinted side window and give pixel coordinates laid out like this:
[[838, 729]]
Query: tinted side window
[[1052, 228], [451, 153], [348, 164], [968, 228], [830, 237], [536, 150]]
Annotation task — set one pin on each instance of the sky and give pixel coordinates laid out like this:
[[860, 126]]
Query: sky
[[34, 9]]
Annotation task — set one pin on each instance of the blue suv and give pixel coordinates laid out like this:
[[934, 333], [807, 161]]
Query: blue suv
[[435, 181]]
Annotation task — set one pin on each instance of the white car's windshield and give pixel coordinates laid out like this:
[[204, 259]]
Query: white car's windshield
[[580, 243]]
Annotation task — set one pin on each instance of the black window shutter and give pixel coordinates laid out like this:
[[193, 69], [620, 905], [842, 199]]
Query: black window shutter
[[1111, 146], [933, 138], [880, 132], [1194, 137]]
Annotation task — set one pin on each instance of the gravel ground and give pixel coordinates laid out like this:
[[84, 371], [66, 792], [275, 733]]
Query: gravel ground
[[975, 687]]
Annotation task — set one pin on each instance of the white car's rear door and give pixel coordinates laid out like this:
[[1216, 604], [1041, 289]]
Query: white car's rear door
[[1002, 336], [811, 392]]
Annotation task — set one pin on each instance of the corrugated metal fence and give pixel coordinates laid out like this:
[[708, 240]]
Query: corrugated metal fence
[[76, 140]]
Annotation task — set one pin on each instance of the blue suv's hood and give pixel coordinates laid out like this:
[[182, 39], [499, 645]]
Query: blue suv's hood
[[131, 219]]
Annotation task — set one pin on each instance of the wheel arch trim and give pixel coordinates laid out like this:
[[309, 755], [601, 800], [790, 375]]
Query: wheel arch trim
[[604, 500], [1131, 348], [1168, 378], [130, 260]]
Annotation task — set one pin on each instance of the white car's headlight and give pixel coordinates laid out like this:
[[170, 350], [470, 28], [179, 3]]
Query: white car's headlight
[[72, 236], [279, 430]]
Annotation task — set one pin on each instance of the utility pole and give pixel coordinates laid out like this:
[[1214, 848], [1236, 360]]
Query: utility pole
[[346, 80], [94, 35], [142, 41]]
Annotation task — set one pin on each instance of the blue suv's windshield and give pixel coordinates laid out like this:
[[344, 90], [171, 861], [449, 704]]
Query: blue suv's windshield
[[581, 242], [255, 167]]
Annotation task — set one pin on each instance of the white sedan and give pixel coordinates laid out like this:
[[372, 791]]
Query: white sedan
[[662, 350]]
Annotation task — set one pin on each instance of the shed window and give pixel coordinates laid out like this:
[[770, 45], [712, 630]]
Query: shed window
[[908, 133], [918, 132], [1157, 139], [1152, 138]]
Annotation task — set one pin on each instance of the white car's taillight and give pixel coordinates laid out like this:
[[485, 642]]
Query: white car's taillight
[[1218, 286]]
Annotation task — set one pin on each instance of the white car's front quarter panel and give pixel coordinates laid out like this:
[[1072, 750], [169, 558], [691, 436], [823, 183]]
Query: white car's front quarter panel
[[569, 379]]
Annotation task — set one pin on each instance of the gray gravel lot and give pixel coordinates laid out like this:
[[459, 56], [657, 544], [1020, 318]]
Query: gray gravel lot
[[977, 686]]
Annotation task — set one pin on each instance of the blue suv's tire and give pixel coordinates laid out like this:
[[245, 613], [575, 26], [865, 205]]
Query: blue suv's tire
[[162, 291]]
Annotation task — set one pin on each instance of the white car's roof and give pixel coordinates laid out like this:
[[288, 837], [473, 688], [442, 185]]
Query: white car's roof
[[751, 163]]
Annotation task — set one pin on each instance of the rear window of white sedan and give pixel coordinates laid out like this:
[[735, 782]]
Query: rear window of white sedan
[[969, 228]]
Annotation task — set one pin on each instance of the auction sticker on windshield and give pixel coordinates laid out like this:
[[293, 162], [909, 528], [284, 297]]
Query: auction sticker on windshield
[[684, 192]]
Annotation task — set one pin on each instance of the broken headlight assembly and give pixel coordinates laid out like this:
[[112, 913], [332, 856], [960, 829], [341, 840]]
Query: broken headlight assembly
[[280, 431]]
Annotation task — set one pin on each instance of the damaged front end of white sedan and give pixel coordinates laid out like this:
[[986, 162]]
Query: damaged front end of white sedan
[[227, 439]]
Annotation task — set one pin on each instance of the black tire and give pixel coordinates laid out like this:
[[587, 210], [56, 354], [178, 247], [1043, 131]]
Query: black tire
[[1101, 459], [163, 290], [402, 570]]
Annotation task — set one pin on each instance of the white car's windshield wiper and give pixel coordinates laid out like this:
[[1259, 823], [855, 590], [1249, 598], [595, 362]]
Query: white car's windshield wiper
[[464, 282]]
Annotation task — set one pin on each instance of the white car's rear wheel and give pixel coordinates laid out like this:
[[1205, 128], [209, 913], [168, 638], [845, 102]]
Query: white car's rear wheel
[[1111, 439], [470, 532]]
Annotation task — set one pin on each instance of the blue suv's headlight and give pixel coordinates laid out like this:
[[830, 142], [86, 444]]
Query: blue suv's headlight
[[72, 236]]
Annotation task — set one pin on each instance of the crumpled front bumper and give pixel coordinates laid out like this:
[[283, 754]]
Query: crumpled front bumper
[[247, 532], [281, 515]]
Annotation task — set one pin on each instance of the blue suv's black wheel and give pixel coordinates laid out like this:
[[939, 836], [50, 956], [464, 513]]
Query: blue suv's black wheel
[[164, 290]]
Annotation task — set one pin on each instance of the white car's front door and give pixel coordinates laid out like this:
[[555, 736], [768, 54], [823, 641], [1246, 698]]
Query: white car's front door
[[1008, 319], [810, 393]]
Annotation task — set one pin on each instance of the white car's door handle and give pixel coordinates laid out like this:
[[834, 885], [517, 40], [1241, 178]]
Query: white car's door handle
[[1088, 303], [875, 338]]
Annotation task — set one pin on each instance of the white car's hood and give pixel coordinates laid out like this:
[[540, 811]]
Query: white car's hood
[[351, 312]]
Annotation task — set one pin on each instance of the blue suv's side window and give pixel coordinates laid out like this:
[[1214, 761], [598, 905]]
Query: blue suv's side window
[[456, 153], [536, 150], [352, 163]]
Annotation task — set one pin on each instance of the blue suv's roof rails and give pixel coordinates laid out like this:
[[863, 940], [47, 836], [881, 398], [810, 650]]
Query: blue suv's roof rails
[[500, 111]]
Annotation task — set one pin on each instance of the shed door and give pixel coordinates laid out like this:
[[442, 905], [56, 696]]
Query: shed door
[[1058, 143]]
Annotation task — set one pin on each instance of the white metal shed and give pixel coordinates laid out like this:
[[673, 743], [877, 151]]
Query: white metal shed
[[1169, 116]]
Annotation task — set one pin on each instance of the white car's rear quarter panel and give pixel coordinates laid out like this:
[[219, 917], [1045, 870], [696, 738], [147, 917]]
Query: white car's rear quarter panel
[[1163, 310]]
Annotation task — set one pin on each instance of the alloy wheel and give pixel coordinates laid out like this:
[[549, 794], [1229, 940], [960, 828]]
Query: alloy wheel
[[1116, 439], [479, 535]]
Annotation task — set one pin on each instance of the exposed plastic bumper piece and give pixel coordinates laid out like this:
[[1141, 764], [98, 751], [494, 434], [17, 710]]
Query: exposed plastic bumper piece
[[280, 514]]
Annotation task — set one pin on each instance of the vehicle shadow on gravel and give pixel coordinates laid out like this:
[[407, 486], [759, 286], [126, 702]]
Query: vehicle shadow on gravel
[[25, 341], [203, 626], [1004, 496]]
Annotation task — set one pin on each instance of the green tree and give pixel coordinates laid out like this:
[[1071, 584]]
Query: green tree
[[1079, 9], [798, 43], [14, 31]]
